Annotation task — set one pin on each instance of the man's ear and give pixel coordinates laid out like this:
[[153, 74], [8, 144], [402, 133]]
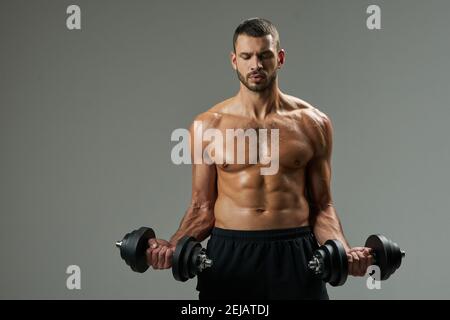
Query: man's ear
[[233, 60], [281, 58]]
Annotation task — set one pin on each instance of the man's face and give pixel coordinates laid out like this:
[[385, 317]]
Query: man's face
[[256, 61]]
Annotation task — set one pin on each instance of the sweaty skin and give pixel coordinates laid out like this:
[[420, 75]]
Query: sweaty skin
[[248, 200], [237, 196]]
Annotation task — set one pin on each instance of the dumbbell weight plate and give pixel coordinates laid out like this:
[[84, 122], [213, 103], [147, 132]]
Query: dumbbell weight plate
[[133, 247], [328, 266], [339, 263], [178, 258], [383, 254], [397, 256], [187, 257], [390, 254], [193, 260]]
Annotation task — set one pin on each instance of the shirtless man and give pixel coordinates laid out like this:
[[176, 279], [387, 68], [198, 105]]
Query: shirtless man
[[263, 228]]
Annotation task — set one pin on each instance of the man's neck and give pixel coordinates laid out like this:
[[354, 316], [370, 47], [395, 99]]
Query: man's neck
[[258, 105]]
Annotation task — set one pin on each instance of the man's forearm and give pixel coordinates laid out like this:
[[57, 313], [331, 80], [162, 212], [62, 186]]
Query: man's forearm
[[197, 222], [326, 225]]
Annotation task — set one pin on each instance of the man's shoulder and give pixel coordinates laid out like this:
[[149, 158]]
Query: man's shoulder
[[306, 111], [315, 123], [211, 117]]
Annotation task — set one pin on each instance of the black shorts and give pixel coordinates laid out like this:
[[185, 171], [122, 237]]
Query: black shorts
[[260, 264]]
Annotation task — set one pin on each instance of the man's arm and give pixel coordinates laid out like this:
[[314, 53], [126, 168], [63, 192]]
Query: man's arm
[[199, 217], [323, 217]]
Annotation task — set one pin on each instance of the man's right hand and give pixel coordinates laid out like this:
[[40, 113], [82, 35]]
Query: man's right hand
[[160, 253]]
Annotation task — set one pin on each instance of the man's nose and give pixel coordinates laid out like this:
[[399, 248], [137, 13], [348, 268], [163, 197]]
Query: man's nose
[[256, 63]]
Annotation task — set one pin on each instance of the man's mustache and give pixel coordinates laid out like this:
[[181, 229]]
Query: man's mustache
[[256, 73]]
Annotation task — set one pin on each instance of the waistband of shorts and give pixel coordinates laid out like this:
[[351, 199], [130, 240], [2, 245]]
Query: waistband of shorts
[[263, 235]]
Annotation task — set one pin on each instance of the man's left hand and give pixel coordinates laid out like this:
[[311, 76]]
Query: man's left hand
[[359, 259]]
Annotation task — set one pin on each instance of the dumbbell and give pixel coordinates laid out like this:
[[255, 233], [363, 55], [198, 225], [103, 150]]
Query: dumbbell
[[189, 258], [330, 262]]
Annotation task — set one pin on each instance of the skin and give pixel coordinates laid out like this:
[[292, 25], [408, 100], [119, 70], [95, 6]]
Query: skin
[[237, 196]]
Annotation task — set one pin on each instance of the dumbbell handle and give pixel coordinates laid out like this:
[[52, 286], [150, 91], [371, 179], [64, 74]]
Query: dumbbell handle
[[316, 264], [374, 255], [203, 261], [119, 244]]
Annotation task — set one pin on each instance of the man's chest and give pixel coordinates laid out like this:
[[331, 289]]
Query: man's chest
[[239, 144]]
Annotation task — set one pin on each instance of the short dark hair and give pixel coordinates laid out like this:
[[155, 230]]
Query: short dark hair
[[256, 27]]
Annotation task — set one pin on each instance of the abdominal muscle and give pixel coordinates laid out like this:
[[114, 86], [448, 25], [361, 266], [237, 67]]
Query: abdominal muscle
[[249, 201]]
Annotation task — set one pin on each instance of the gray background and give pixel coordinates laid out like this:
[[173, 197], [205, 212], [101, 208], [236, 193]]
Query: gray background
[[86, 118]]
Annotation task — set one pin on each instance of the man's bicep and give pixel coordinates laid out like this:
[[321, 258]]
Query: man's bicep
[[204, 186], [318, 179], [204, 175], [318, 170]]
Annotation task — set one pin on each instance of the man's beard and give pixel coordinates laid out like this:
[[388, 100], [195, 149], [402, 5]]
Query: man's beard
[[257, 87]]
